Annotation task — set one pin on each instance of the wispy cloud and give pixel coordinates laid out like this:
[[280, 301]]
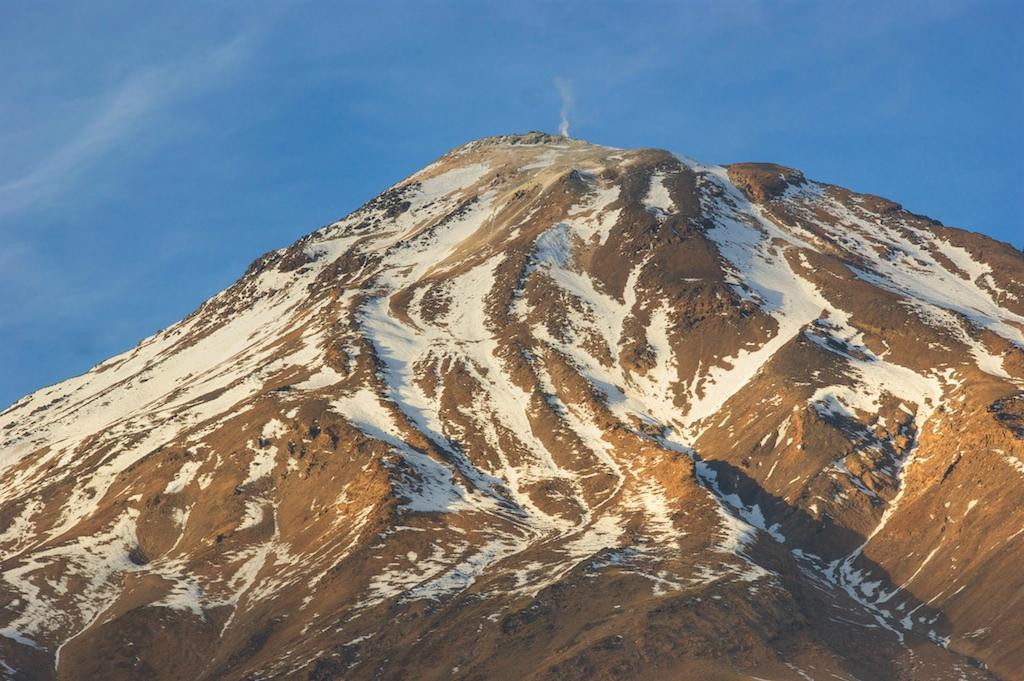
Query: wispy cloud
[[565, 93], [138, 100]]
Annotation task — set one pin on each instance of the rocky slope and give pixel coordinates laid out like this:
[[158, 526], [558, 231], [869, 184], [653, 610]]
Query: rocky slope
[[546, 410]]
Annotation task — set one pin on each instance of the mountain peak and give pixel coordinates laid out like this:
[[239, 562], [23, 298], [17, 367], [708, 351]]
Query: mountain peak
[[533, 137], [545, 408]]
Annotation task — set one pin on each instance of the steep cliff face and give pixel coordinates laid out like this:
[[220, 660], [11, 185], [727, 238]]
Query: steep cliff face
[[546, 410]]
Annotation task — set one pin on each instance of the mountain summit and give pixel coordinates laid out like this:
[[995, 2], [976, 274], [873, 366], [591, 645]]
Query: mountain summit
[[546, 410]]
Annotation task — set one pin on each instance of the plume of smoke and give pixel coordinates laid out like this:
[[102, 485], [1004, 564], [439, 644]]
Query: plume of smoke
[[565, 92]]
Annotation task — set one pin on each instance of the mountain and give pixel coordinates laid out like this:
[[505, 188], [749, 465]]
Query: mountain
[[546, 410]]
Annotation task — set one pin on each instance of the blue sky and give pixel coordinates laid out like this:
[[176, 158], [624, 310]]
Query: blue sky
[[150, 151]]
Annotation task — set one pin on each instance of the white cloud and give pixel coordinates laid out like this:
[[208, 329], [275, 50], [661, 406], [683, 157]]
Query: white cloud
[[565, 93], [138, 100]]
